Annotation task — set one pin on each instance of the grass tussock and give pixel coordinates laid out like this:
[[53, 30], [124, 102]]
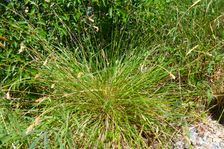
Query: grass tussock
[[130, 102]]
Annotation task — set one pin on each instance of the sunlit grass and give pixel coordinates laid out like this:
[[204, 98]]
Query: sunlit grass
[[129, 102], [137, 91]]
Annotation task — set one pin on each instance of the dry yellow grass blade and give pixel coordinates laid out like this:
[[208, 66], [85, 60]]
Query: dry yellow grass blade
[[3, 38], [80, 74], [8, 95], [39, 100], [171, 75], [35, 123], [2, 46], [195, 47], [194, 4], [22, 47]]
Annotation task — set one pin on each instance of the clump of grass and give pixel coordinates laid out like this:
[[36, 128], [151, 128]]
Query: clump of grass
[[128, 102]]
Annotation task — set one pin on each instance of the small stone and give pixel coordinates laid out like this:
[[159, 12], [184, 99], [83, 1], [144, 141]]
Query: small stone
[[215, 139], [200, 141], [215, 146]]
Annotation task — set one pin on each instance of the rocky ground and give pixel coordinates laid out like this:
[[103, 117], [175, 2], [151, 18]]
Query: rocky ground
[[202, 135]]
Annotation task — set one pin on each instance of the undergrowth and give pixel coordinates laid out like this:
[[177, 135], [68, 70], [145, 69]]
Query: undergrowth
[[114, 75]]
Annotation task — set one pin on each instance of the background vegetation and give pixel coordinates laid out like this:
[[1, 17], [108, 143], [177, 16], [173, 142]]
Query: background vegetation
[[107, 73]]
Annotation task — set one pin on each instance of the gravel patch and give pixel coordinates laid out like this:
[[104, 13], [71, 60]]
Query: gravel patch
[[203, 135]]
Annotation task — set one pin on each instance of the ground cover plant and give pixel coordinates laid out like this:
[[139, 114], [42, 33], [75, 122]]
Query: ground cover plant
[[106, 74]]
